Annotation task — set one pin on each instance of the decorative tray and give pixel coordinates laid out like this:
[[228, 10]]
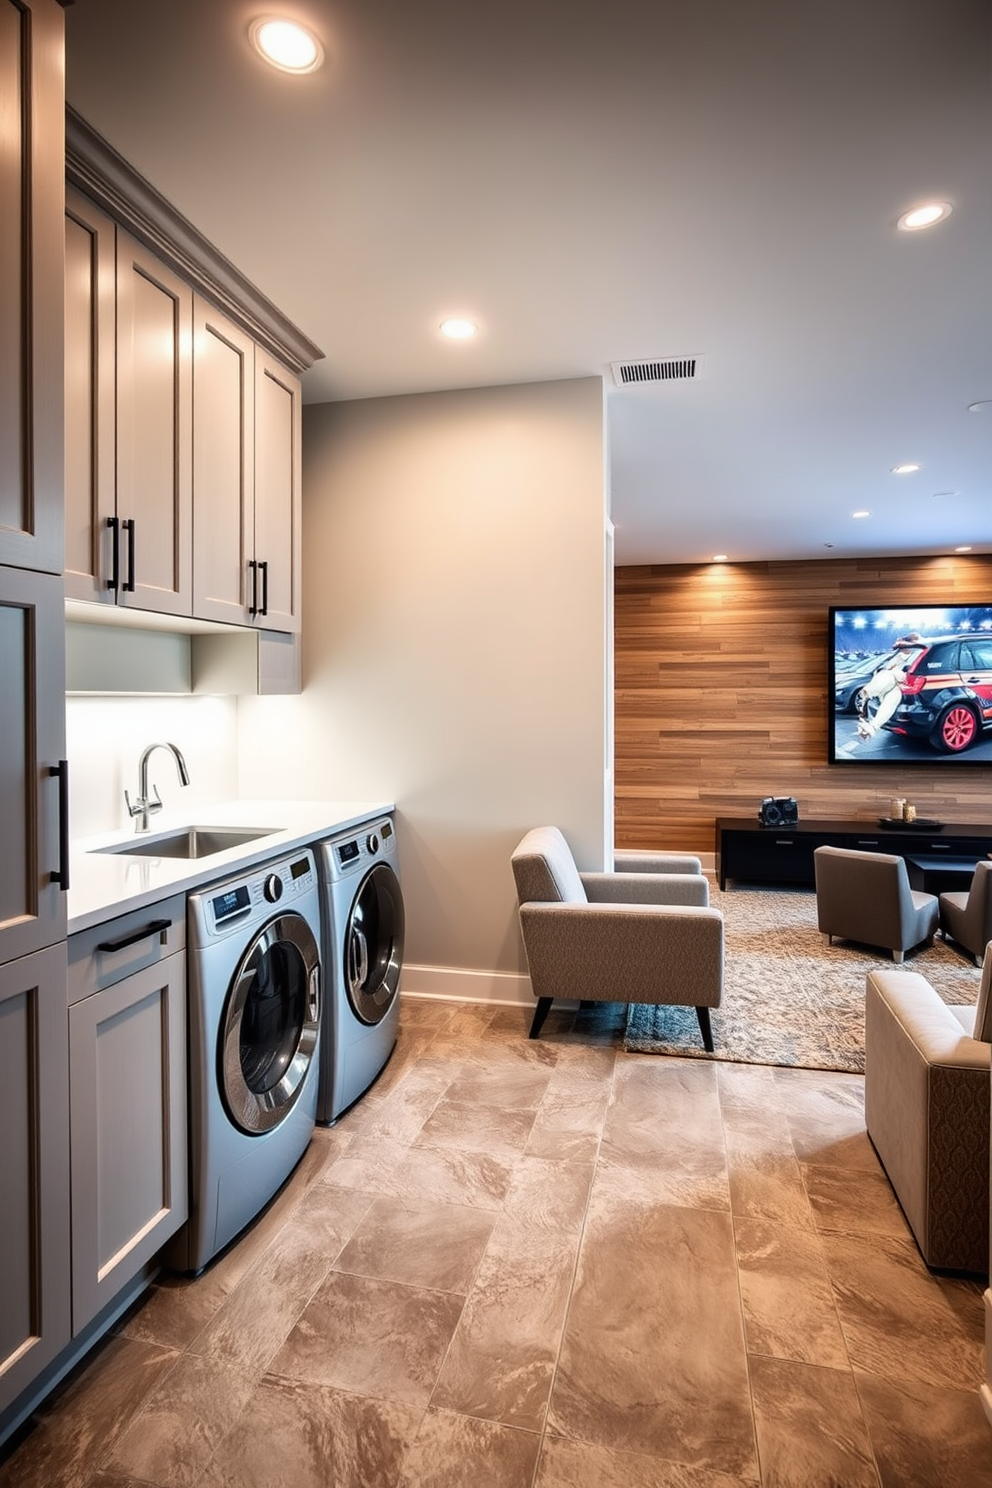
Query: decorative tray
[[921, 824]]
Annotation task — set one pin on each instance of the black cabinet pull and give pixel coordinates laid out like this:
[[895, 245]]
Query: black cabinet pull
[[60, 875], [154, 927], [115, 552], [253, 607], [263, 608], [128, 584]]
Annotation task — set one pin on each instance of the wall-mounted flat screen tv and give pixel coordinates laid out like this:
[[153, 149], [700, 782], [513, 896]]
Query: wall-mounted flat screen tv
[[911, 684]]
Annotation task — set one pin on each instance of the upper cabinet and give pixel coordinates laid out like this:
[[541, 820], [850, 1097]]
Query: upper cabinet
[[246, 479], [183, 468], [31, 151], [128, 419]]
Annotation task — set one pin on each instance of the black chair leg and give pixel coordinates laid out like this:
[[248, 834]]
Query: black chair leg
[[703, 1014], [540, 1013]]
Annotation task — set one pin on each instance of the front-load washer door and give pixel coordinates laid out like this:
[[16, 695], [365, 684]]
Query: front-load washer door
[[373, 946], [268, 1032]]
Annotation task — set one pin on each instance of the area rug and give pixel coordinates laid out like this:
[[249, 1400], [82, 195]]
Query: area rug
[[788, 998]]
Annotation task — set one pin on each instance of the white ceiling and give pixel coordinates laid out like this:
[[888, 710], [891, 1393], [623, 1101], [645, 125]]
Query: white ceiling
[[595, 183]]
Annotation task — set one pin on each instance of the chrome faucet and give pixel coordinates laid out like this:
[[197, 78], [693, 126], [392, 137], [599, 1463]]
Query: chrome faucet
[[145, 805]]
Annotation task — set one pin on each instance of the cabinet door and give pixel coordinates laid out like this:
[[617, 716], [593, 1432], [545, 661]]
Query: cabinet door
[[34, 1173], [277, 493], [32, 165], [223, 466], [127, 1103], [32, 742], [154, 431], [90, 394]]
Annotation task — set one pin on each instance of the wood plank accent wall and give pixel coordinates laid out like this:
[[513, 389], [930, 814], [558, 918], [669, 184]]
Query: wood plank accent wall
[[721, 695]]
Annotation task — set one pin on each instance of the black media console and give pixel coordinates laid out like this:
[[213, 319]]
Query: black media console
[[945, 858]]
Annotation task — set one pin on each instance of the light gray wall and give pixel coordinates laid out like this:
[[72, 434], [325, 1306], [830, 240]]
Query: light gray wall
[[457, 599]]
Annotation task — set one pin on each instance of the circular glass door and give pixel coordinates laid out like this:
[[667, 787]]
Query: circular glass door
[[269, 1029], [373, 948]]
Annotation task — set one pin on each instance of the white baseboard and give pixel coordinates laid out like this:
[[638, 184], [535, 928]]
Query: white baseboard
[[455, 984]]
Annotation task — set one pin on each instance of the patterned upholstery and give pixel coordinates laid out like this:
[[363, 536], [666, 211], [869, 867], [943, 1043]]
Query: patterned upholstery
[[615, 937], [865, 896], [967, 917], [927, 1112]]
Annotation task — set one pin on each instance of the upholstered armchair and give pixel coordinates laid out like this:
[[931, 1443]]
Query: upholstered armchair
[[927, 1111], [967, 917], [865, 896], [615, 937]]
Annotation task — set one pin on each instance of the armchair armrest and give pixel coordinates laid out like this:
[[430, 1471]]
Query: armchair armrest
[[625, 952], [646, 888], [629, 860]]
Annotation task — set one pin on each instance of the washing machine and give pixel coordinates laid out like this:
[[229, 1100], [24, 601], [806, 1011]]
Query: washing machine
[[363, 929], [255, 1002]]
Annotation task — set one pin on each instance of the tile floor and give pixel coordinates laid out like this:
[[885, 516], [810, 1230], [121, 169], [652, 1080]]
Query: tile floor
[[549, 1265]]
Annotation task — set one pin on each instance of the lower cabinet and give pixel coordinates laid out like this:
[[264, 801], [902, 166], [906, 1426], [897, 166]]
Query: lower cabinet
[[34, 1169], [127, 1098]]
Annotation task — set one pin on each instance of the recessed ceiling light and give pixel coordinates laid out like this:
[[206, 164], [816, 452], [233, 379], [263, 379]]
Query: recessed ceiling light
[[926, 216], [457, 328], [861, 514], [720, 557], [907, 469], [286, 45], [982, 406], [966, 549]]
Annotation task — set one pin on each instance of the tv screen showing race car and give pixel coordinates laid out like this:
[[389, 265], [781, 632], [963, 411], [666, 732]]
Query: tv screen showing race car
[[911, 684]]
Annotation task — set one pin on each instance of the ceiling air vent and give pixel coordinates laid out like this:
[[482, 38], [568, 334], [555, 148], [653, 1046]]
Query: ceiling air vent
[[664, 369]]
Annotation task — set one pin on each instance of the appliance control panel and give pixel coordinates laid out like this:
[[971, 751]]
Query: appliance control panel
[[349, 854], [228, 905]]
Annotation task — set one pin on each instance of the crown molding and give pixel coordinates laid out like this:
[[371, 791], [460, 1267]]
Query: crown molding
[[95, 168]]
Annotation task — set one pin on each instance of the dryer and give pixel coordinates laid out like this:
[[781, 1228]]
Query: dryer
[[254, 999], [363, 933]]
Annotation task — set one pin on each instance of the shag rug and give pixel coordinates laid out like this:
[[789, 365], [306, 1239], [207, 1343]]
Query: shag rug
[[788, 998]]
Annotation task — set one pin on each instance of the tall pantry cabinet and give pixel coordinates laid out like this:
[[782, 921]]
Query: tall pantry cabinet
[[34, 1237]]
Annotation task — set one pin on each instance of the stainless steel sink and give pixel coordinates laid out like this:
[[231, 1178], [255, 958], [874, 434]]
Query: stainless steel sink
[[190, 842]]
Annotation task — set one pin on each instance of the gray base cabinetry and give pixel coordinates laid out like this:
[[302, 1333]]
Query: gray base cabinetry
[[127, 1098], [34, 1170]]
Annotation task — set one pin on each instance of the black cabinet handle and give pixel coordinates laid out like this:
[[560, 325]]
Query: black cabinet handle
[[154, 927], [253, 607], [263, 608], [115, 552], [128, 526], [60, 875]]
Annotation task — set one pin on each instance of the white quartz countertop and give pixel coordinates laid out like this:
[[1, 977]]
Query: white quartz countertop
[[103, 884]]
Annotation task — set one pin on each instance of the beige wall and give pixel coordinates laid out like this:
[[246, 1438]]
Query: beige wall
[[457, 599]]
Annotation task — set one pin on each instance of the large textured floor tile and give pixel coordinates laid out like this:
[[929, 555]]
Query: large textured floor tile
[[419, 1243], [425, 1012], [79, 1427], [400, 1113], [663, 1134], [369, 1163], [452, 1177], [502, 1355], [372, 1337], [172, 1440], [510, 1083], [925, 1437], [789, 1310], [263, 1308], [826, 1119], [810, 1429], [569, 1121], [898, 1319], [652, 1358], [854, 1201], [753, 1103], [306, 1436], [452, 1451], [467, 1127], [568, 1464], [765, 1182]]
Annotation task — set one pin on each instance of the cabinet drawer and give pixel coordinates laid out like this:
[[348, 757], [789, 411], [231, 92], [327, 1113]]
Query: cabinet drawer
[[105, 954], [779, 856]]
